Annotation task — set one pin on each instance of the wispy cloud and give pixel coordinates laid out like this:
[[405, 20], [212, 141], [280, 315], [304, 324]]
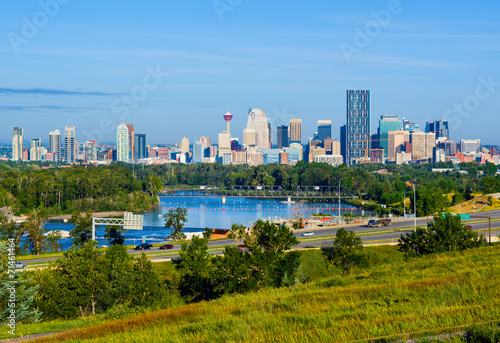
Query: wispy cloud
[[49, 107], [45, 91]]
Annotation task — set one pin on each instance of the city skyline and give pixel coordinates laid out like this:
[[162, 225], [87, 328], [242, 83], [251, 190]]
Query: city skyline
[[195, 62]]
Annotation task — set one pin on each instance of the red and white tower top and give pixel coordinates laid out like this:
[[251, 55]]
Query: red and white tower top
[[227, 117]]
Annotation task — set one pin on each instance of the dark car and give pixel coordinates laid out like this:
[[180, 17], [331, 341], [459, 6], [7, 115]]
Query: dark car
[[469, 227], [166, 246], [241, 246], [143, 246]]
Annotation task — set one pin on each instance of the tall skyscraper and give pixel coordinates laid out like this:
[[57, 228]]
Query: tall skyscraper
[[439, 127], [131, 142], [358, 124], [282, 137], [343, 142], [198, 152], [257, 126], [55, 145], [70, 144], [122, 144], [141, 151], [90, 151], [324, 129], [17, 144], [422, 145], [270, 130], [296, 131], [35, 153], [396, 143], [387, 123]]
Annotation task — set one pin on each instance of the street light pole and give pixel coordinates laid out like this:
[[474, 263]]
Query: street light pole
[[415, 206], [339, 197]]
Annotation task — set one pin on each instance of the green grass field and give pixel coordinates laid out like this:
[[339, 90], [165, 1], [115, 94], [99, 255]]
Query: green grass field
[[394, 299]]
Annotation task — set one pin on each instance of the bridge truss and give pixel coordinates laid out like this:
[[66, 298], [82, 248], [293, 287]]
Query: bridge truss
[[322, 192]]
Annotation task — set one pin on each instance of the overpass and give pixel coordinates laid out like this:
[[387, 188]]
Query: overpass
[[255, 191]]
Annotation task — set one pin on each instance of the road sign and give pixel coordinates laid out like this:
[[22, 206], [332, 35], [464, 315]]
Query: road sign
[[463, 216]]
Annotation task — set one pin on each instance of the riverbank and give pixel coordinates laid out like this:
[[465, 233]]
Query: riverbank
[[95, 214]]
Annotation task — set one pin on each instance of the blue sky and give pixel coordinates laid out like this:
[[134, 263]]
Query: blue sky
[[88, 63]]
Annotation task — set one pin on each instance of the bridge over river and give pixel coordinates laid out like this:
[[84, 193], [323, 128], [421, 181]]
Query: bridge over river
[[254, 191]]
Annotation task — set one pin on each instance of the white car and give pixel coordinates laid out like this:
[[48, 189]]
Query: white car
[[308, 233], [19, 265]]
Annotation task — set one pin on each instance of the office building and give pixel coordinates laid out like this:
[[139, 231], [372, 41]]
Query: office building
[[396, 143], [131, 142], [422, 145], [470, 146], [438, 155], [17, 144], [358, 125], [449, 146], [55, 145], [282, 134], [324, 129], [410, 126], [198, 152], [439, 127], [296, 131], [257, 130], [35, 153], [141, 150], [387, 123], [70, 144], [343, 142], [122, 144], [333, 160]]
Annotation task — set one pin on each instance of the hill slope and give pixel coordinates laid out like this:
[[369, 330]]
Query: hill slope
[[424, 296]]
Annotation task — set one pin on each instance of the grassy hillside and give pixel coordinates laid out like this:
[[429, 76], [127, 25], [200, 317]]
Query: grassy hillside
[[401, 299]]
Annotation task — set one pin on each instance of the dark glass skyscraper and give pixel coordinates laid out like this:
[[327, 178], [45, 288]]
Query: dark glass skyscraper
[[282, 137], [141, 150], [358, 124], [324, 129], [439, 127], [387, 123]]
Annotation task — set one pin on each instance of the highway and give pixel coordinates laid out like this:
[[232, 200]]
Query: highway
[[366, 233]]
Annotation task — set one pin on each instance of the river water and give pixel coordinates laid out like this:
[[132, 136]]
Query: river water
[[210, 212]]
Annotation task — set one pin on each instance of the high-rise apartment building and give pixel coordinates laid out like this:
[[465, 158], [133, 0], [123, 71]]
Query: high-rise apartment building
[[55, 145], [257, 130], [387, 123], [282, 134], [439, 127], [90, 151], [17, 144], [296, 131], [122, 144], [198, 152], [141, 150], [324, 129], [358, 124], [35, 152], [131, 142], [70, 144]]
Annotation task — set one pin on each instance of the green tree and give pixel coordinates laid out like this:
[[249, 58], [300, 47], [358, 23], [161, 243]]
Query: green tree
[[10, 231], [82, 228], [52, 241], [446, 233], [175, 218], [207, 234], [34, 228], [19, 283], [195, 269], [346, 251]]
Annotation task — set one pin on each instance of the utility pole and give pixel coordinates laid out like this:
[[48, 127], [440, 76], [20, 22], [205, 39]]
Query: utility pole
[[339, 197]]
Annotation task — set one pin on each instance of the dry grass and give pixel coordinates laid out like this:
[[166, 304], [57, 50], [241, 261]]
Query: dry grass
[[424, 296]]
